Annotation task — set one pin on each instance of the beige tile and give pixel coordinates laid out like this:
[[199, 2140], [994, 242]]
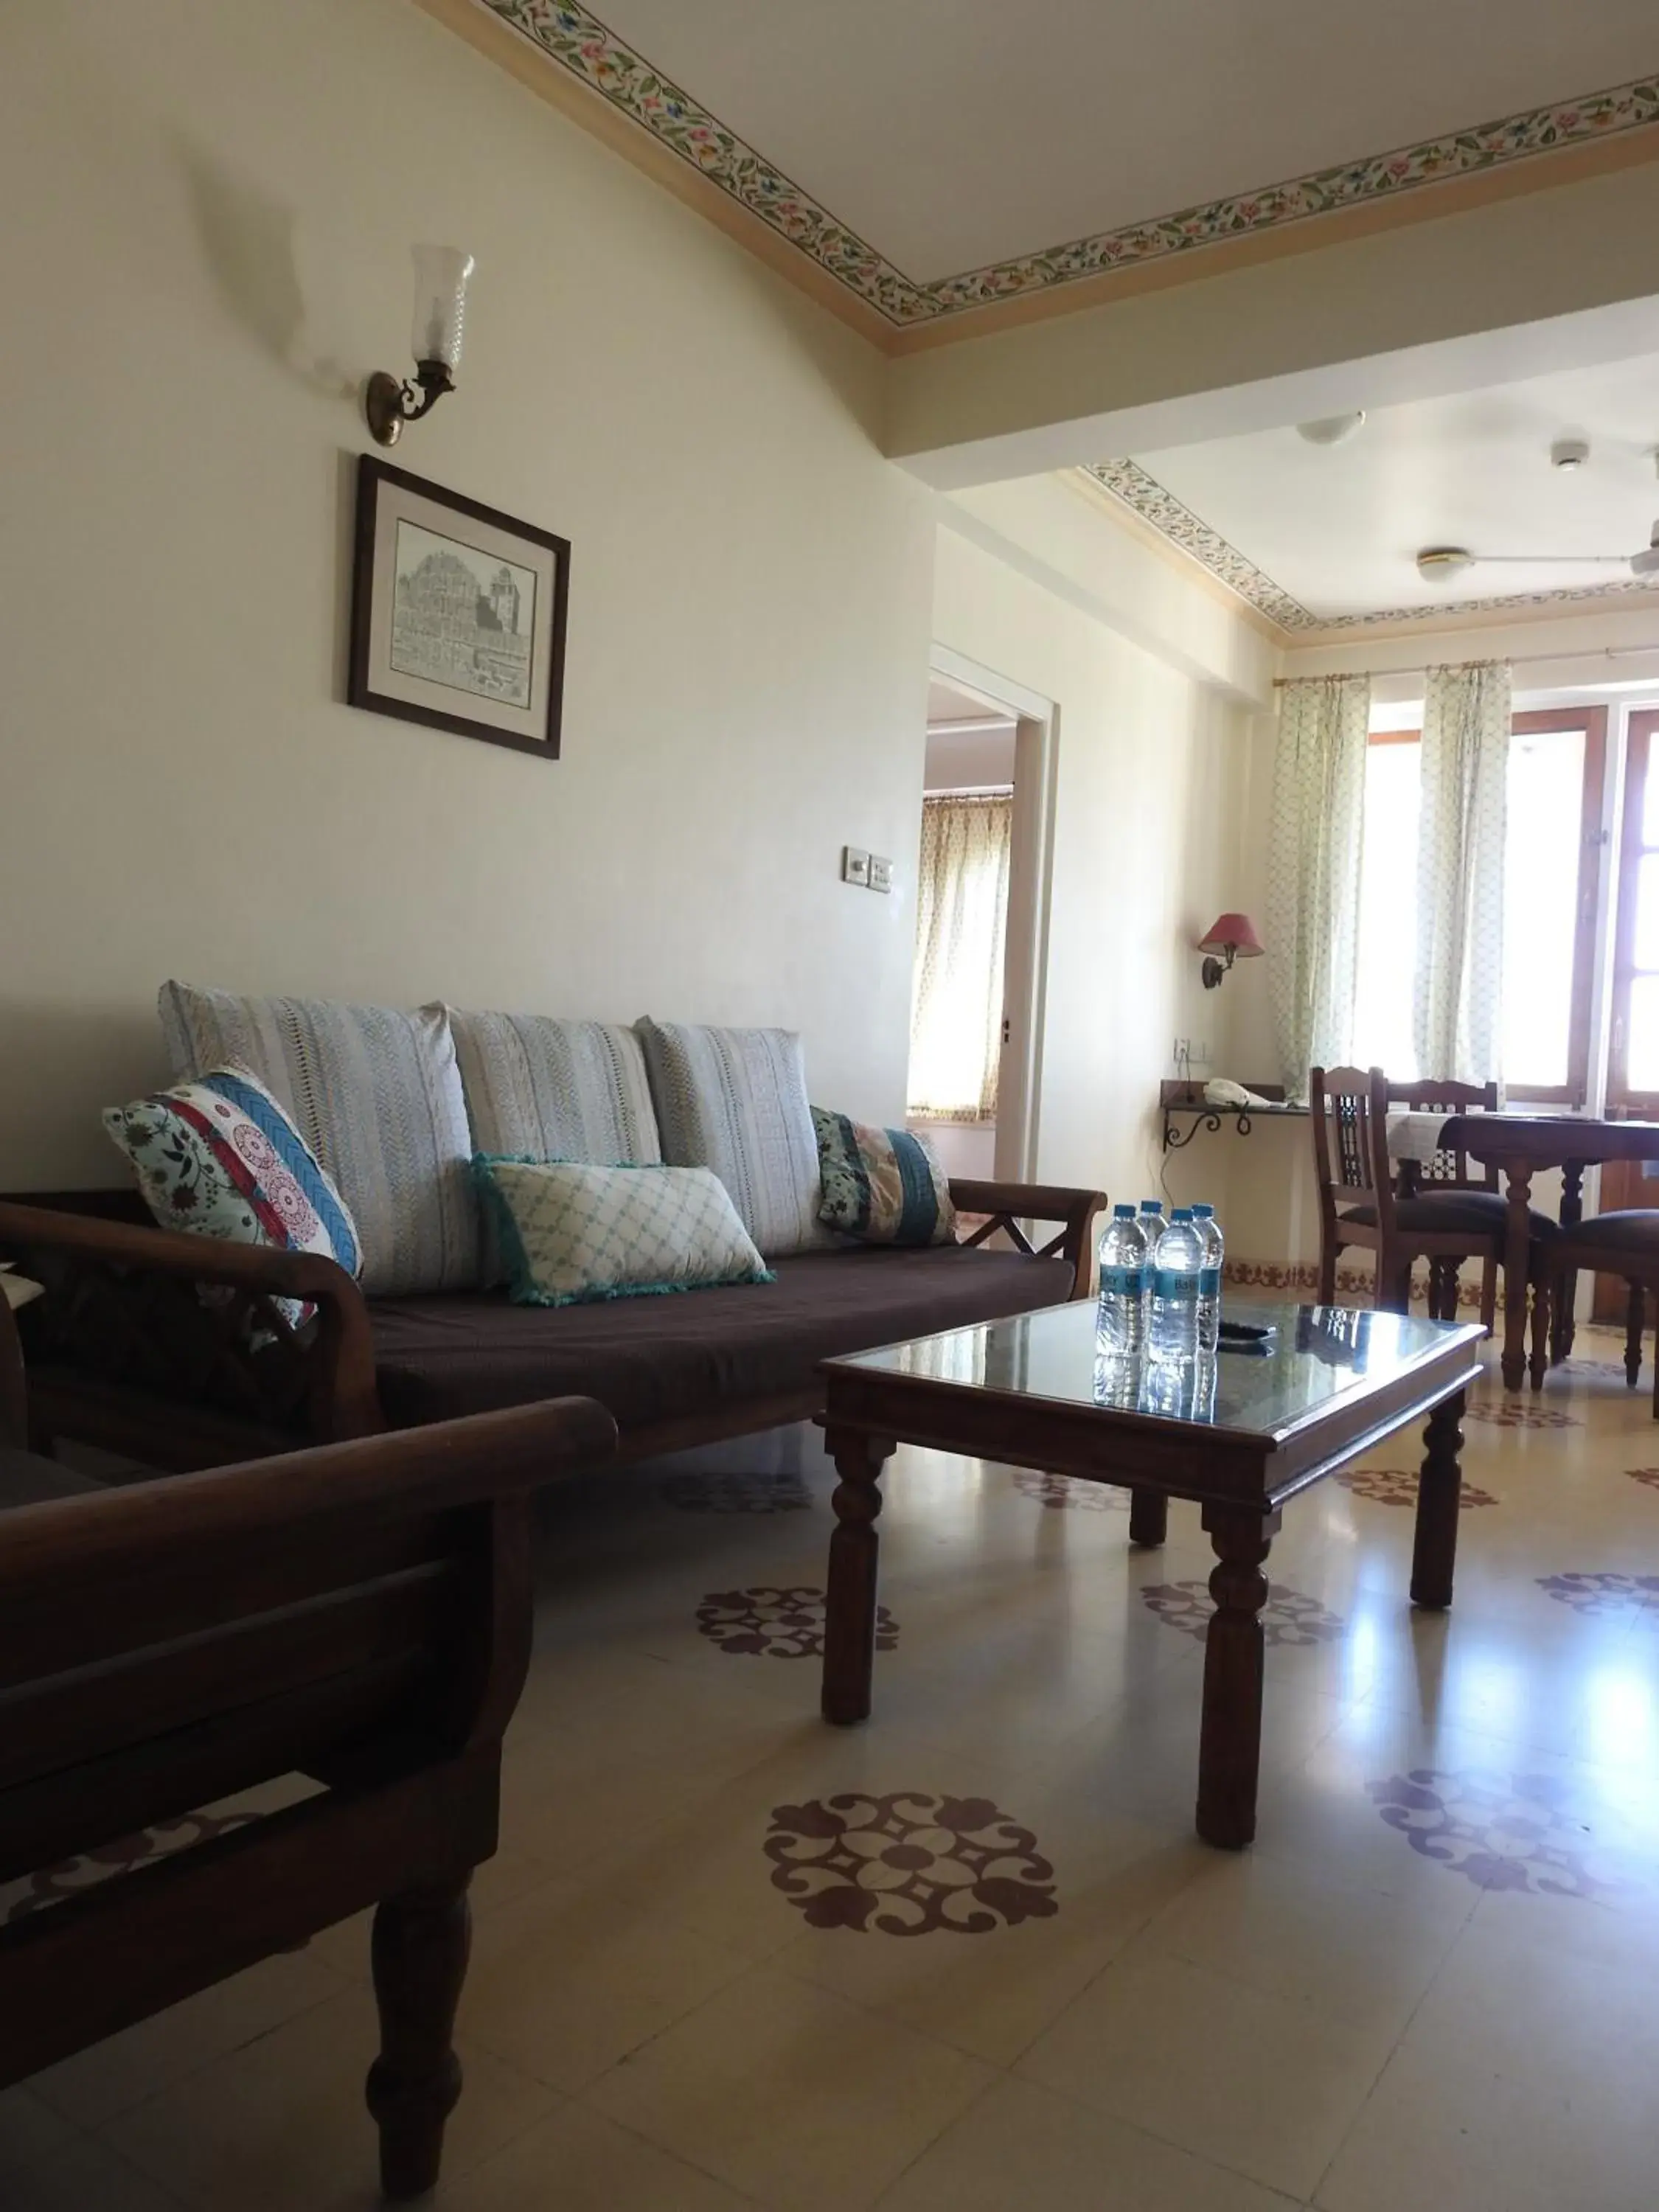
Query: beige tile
[[791, 2094], [1262, 2085], [281, 2126], [82, 2176], [345, 1947], [109, 2077], [580, 2162], [1357, 1955], [565, 1980], [1539, 2013], [1024, 2145], [1448, 2132]]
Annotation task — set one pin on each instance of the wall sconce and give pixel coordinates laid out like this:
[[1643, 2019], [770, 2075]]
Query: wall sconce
[[1233, 936], [441, 275]]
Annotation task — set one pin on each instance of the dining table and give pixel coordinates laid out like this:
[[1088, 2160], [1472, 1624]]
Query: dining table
[[1521, 1146]]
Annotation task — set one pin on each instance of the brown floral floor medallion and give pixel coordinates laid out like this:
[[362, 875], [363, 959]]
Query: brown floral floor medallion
[[1647, 1475], [1510, 1412], [1288, 1618], [776, 1623], [1600, 1593], [909, 1863], [1061, 1494], [1519, 1831], [69, 1877], [738, 1493], [1397, 1485]]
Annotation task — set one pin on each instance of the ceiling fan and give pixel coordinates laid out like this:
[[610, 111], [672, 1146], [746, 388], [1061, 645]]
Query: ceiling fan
[[1438, 564]]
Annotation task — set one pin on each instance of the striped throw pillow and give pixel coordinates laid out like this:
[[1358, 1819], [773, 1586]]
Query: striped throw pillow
[[882, 1186], [735, 1101]]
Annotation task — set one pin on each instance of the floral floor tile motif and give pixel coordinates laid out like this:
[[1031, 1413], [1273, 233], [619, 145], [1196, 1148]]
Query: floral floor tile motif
[[1599, 1593], [738, 1493], [1515, 1412], [1518, 1831], [909, 1863], [1647, 1475], [1397, 1485], [1061, 1494], [776, 1623], [1288, 1618]]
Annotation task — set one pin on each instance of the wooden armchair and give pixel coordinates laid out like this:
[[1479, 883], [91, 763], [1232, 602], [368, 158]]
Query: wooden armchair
[[1358, 1206], [358, 1614]]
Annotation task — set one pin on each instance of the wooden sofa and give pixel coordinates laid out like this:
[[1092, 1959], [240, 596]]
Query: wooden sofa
[[358, 1615], [124, 1354]]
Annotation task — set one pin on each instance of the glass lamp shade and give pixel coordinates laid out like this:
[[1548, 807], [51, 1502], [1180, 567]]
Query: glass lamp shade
[[441, 275], [1234, 933]]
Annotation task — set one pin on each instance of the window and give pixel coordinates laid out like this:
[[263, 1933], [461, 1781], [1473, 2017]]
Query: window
[[962, 907], [1633, 1061], [1556, 768]]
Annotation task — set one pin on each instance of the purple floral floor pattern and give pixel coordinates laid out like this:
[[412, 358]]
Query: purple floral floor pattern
[[776, 1623], [736, 1493], [909, 1863], [1397, 1485], [1647, 1475], [1605, 1593], [1060, 1493], [1513, 1411], [1287, 1618], [1513, 1831]]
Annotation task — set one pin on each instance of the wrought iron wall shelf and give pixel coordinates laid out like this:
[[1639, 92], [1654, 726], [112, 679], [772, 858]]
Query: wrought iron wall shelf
[[1177, 1098]]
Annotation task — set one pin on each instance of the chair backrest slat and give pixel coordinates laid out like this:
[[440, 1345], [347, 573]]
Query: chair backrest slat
[[1450, 1168], [1347, 1106]]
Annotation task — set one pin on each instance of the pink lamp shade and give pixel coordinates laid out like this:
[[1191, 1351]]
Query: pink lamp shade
[[1233, 933]]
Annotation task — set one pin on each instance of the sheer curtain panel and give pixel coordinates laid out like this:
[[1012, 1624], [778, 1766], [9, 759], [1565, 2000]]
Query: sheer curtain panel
[[1314, 869], [962, 907], [1458, 981]]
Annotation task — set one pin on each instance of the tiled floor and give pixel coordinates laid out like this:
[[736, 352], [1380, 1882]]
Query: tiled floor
[[971, 1956]]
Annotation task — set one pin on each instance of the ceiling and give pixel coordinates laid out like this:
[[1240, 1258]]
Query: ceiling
[[1326, 536], [939, 155]]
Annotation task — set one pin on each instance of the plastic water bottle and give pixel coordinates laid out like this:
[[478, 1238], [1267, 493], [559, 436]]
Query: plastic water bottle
[[1183, 1390], [1120, 1322], [1209, 1277], [1152, 1224], [1172, 1308]]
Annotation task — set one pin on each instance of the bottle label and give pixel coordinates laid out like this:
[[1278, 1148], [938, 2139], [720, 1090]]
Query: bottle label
[[1174, 1283], [1121, 1282], [1209, 1282]]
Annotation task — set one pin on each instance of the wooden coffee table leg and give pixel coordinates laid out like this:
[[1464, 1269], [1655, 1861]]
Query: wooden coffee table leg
[[849, 1617], [1434, 1553], [1230, 1736], [1149, 1516], [1571, 1212]]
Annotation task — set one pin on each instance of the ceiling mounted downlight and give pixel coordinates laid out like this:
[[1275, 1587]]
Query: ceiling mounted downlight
[[1438, 564], [1646, 563], [1332, 429]]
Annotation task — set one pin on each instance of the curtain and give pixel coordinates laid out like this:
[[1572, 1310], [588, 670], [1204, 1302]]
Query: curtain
[[1314, 869], [1458, 979], [962, 904]]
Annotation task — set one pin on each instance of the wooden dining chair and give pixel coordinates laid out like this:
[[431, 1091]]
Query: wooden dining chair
[[1450, 1173], [1624, 1243], [1358, 1206]]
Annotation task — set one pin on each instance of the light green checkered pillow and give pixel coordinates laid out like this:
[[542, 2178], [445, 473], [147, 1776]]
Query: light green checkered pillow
[[572, 1234]]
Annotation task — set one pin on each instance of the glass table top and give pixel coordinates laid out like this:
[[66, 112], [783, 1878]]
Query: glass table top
[[1319, 1355]]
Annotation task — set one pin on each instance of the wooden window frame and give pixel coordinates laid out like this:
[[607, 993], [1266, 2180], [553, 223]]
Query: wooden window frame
[[1593, 722], [1642, 727]]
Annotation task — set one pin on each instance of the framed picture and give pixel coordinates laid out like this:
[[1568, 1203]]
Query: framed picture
[[458, 613]]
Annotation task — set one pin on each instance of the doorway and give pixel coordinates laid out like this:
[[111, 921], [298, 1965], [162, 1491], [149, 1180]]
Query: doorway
[[982, 902]]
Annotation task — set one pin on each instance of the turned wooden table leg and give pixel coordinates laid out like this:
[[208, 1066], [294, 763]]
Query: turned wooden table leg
[[1517, 1242], [1149, 1516], [1571, 1213], [1434, 1550], [419, 1954], [850, 1620], [1229, 1735]]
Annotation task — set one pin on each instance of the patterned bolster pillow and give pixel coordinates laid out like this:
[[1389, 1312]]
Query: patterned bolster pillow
[[220, 1157], [883, 1185], [572, 1234]]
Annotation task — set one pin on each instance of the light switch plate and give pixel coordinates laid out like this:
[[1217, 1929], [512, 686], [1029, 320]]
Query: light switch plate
[[881, 873], [855, 865]]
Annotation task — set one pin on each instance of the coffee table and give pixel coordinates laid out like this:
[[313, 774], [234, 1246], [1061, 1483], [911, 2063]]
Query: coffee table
[[1028, 1391]]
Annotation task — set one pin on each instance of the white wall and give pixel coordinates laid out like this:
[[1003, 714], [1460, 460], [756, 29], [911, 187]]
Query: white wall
[[213, 205]]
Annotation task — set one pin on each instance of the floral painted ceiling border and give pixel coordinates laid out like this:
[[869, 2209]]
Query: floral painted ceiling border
[[579, 43], [1145, 497]]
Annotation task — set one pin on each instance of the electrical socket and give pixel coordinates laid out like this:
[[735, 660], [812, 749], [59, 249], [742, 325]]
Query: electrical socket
[[881, 873], [854, 866]]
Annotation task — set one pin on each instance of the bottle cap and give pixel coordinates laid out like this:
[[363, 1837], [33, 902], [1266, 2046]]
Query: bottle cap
[[1203, 1213], [1182, 1213], [1123, 1213], [1151, 1205]]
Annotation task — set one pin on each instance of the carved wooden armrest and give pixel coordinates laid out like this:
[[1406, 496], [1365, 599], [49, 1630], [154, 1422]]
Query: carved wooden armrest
[[1008, 1204], [122, 1299]]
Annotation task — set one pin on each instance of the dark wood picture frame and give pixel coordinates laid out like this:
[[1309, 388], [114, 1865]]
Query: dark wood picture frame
[[371, 475]]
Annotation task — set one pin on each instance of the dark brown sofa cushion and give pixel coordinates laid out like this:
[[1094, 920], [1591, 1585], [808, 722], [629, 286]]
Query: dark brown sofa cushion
[[659, 1359]]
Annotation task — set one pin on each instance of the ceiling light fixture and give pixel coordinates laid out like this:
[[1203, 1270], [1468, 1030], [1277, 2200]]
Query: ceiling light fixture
[[1440, 564], [441, 275], [1332, 429], [1568, 454]]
